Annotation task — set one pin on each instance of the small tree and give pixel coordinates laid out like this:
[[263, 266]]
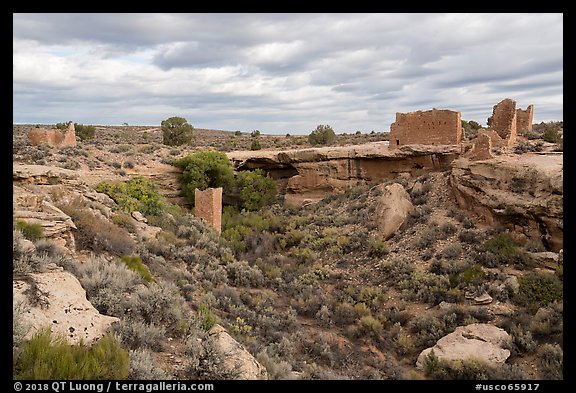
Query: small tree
[[176, 131], [322, 135], [205, 169], [256, 189], [255, 144], [84, 132]]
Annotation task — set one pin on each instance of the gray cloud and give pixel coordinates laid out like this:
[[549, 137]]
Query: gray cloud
[[282, 72]]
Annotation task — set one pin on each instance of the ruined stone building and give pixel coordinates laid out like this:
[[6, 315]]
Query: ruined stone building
[[524, 118], [507, 121], [433, 127], [53, 137], [208, 207]]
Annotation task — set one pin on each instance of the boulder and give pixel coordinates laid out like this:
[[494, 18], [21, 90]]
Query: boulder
[[480, 341], [483, 299], [236, 358], [56, 299], [139, 216], [394, 207]]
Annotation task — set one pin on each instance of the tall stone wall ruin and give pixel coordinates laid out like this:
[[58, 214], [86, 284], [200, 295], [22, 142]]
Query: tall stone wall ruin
[[433, 127], [208, 207], [504, 120], [524, 118]]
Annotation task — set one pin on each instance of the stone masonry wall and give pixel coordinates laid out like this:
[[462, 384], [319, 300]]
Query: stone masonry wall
[[504, 120], [208, 206], [524, 118], [53, 137], [433, 127]]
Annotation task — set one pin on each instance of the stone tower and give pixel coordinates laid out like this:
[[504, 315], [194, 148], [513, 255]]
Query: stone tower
[[208, 206]]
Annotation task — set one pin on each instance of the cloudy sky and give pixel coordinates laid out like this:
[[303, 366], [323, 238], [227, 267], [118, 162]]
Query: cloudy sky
[[282, 73]]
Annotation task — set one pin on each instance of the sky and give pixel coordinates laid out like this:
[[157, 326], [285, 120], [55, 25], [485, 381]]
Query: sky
[[282, 73]]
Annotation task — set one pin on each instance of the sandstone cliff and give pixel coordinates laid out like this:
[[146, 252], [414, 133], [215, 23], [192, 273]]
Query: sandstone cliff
[[522, 192], [309, 174]]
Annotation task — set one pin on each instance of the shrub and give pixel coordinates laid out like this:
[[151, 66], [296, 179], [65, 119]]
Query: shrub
[[205, 169], [552, 136], [206, 317], [240, 273], [322, 135], [136, 334], [142, 366], [431, 364], [98, 234], [45, 358], [255, 145], [31, 231], [552, 361], [504, 249], [176, 131], [124, 221], [136, 194], [256, 189], [135, 263], [377, 248], [538, 290], [368, 325], [84, 132]]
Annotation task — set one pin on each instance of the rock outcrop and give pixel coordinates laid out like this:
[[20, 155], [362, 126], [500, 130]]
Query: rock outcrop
[[393, 209], [57, 300], [237, 360], [524, 193], [480, 341], [43, 174], [34, 209], [309, 174]]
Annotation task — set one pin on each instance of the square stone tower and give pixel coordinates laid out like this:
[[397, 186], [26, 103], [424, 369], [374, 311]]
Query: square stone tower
[[208, 207]]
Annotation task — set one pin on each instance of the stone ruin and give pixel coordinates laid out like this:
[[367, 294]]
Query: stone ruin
[[53, 137], [208, 207], [444, 127], [433, 127], [505, 123]]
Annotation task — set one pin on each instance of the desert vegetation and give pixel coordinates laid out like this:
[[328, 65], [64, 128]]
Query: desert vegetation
[[312, 293]]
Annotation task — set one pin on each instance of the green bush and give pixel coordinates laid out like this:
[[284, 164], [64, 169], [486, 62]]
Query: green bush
[[552, 136], [368, 325], [256, 189], [136, 194], [43, 358], [322, 135], [176, 131], [377, 248], [30, 231], [538, 290], [205, 169], [135, 263], [206, 317], [84, 132], [504, 249], [255, 145]]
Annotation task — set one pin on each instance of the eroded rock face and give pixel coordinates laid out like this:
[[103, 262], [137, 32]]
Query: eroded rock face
[[524, 193], [56, 299], [309, 174], [53, 137], [43, 174], [478, 341], [34, 209], [238, 360], [393, 209]]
